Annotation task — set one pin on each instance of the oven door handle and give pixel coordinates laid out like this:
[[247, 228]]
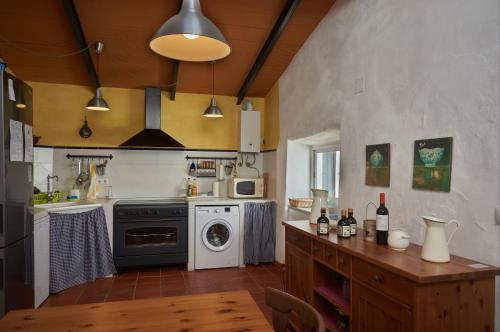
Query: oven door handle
[[122, 221]]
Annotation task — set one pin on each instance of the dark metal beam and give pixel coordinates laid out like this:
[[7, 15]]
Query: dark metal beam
[[76, 26], [272, 39], [175, 69], [173, 82]]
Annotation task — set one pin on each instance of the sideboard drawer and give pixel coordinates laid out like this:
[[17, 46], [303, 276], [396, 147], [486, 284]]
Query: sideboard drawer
[[299, 240], [344, 262], [387, 282], [318, 250], [331, 256]]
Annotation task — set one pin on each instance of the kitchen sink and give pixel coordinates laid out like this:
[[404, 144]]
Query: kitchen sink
[[54, 205], [68, 207]]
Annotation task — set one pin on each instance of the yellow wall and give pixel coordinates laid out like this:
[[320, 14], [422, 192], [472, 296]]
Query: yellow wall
[[59, 110], [272, 118]]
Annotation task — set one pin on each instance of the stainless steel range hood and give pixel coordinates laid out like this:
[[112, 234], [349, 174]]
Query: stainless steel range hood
[[153, 136]]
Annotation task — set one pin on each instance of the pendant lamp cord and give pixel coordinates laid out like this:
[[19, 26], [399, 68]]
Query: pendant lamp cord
[[213, 78], [98, 61]]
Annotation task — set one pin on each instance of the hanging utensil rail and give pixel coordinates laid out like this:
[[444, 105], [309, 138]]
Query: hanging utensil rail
[[84, 156], [211, 158]]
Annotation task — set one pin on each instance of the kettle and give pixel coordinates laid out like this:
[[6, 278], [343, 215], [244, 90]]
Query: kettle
[[435, 247]]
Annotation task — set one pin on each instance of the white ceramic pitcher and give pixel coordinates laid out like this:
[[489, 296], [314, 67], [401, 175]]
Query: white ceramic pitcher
[[320, 198], [435, 247]]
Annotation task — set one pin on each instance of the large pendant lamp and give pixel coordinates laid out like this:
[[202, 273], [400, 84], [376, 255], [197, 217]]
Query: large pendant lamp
[[190, 36], [97, 103], [213, 111]]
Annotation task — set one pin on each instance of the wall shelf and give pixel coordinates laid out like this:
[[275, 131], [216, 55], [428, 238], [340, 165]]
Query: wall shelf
[[211, 158]]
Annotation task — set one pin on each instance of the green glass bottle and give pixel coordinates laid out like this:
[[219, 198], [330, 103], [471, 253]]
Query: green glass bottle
[[352, 221], [343, 226], [323, 225]]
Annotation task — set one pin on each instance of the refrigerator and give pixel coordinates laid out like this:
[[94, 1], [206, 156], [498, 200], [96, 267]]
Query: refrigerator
[[16, 194]]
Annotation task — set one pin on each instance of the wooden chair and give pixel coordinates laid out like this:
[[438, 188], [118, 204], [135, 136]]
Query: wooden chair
[[285, 305]]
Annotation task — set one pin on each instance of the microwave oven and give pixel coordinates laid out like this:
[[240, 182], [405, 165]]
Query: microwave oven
[[245, 188]]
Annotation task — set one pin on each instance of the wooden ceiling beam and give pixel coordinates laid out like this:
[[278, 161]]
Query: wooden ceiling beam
[[285, 16], [175, 69], [76, 26], [173, 82]]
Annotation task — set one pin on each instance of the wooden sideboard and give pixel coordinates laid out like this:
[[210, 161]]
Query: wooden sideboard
[[374, 288]]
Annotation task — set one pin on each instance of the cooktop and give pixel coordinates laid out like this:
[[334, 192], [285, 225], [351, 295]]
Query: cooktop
[[160, 201]]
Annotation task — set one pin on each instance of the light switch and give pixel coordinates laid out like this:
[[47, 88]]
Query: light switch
[[359, 85]]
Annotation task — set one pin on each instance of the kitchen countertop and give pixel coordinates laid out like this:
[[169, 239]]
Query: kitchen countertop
[[210, 200], [407, 264], [41, 212]]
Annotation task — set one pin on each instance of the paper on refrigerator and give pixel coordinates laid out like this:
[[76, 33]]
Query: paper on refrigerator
[[12, 94], [28, 143], [16, 141]]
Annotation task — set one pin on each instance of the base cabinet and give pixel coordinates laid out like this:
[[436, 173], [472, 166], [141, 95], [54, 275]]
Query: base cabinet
[[359, 286], [297, 275], [42, 260], [375, 312]]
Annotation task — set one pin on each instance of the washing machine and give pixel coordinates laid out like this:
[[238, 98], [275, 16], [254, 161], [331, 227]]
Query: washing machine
[[217, 231]]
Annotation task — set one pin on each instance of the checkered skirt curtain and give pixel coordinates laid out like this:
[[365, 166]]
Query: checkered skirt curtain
[[79, 249], [260, 232]]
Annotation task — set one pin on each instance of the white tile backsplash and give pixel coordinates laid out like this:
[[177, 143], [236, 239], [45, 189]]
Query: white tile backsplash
[[43, 162], [139, 173]]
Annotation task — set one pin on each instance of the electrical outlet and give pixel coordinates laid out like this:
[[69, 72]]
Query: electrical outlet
[[497, 215]]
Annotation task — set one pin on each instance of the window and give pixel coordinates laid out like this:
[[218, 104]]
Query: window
[[325, 171]]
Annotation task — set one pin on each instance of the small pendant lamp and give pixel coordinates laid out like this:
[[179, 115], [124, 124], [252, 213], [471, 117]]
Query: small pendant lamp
[[97, 103], [20, 101], [213, 111], [190, 36]]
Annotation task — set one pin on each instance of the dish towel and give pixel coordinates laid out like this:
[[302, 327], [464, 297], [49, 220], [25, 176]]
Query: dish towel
[[79, 249], [94, 183], [260, 232]]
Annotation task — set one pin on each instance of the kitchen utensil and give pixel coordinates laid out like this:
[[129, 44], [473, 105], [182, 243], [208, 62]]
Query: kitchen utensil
[[369, 225], [101, 168], [320, 198], [85, 131], [398, 239], [229, 169], [80, 178], [435, 247]]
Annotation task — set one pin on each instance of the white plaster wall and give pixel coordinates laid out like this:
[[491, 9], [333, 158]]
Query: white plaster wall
[[431, 70], [269, 167]]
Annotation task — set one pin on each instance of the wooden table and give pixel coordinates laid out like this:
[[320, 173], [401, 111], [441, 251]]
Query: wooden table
[[229, 311]]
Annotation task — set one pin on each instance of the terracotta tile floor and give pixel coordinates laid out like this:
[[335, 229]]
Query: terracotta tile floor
[[172, 281]]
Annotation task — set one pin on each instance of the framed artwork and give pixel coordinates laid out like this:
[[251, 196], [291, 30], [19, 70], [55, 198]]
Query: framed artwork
[[432, 160], [378, 165]]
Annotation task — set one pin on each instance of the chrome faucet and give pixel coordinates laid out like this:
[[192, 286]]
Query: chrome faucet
[[49, 192]]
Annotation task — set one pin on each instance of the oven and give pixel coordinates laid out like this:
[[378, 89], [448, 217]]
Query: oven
[[150, 233]]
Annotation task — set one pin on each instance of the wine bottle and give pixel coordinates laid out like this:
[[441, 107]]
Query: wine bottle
[[382, 223], [352, 221], [323, 224], [343, 226]]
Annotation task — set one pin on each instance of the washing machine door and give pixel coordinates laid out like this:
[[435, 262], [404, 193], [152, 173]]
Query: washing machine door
[[217, 235]]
